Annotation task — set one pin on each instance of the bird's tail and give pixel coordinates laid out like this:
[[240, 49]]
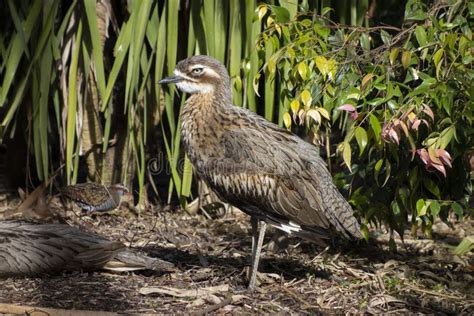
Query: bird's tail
[[340, 213]]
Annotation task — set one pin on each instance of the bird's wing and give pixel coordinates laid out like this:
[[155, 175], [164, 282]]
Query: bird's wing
[[271, 170], [87, 192]]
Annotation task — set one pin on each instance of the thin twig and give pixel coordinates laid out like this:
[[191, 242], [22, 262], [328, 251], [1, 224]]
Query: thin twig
[[435, 293], [298, 298], [215, 307]]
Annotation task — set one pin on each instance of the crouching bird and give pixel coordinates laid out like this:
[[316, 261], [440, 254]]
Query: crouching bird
[[92, 197], [28, 248], [264, 170]]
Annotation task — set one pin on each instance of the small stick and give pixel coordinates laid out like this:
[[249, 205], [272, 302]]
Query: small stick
[[215, 307]]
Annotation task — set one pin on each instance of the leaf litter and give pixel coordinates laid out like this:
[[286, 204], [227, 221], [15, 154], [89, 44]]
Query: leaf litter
[[212, 255]]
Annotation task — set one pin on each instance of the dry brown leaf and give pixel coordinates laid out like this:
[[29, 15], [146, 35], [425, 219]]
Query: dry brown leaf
[[238, 297], [196, 303], [384, 300], [391, 263], [165, 290]]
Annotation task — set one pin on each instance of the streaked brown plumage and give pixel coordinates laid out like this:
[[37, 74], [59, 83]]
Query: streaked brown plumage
[[95, 197], [266, 171], [31, 249]]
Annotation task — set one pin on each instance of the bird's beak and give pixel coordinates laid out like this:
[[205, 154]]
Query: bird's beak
[[172, 79]]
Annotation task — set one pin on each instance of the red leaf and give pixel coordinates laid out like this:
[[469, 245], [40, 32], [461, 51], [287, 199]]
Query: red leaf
[[416, 124], [440, 168], [428, 111], [354, 115], [423, 153], [445, 157], [394, 136], [347, 108]]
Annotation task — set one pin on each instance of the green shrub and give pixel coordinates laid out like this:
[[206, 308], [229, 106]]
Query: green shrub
[[397, 102]]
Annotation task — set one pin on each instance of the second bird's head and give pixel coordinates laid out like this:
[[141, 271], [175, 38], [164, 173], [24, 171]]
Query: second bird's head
[[199, 74]]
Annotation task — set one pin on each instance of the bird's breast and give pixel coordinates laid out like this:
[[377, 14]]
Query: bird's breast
[[201, 130]]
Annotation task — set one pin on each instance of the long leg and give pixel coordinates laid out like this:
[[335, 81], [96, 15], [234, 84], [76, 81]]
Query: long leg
[[256, 250], [254, 222]]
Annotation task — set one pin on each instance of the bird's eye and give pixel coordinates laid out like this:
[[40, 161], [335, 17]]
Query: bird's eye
[[197, 71]]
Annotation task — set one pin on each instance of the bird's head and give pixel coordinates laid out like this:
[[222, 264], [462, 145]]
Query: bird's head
[[199, 74], [119, 188], [119, 193]]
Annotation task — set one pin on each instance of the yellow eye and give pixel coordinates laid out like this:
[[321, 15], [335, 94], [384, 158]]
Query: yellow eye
[[197, 71]]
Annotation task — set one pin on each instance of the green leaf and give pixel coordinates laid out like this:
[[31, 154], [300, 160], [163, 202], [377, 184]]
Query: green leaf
[[377, 168], [413, 178], [269, 93], [466, 245], [437, 59], [432, 187], [90, 6], [302, 70], [385, 37], [367, 78], [393, 55], [72, 104], [446, 136], [420, 35], [375, 125], [361, 137], [327, 67], [435, 208], [282, 15], [420, 205], [347, 154], [324, 113], [187, 178], [365, 41], [16, 50], [406, 58], [291, 6], [388, 172], [457, 209]]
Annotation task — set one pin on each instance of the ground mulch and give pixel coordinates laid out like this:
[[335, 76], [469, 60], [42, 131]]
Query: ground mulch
[[212, 253]]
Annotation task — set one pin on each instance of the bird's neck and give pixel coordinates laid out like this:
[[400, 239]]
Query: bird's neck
[[116, 195], [203, 121]]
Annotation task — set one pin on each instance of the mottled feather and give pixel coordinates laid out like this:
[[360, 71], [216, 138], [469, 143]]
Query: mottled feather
[[92, 196]]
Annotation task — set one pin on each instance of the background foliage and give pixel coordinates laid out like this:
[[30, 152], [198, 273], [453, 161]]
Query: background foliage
[[387, 92], [400, 102]]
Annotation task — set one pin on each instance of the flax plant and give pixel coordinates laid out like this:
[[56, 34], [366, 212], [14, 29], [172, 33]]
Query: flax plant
[[81, 77]]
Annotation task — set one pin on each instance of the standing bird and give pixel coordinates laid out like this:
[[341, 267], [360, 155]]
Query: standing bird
[[93, 197], [264, 170]]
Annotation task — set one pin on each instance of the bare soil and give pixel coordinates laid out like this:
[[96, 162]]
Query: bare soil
[[422, 276]]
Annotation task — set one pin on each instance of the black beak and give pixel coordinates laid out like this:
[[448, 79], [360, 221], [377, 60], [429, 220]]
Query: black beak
[[172, 79]]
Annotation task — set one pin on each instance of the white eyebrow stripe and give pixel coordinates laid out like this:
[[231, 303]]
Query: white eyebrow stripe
[[198, 66], [212, 73], [178, 73]]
